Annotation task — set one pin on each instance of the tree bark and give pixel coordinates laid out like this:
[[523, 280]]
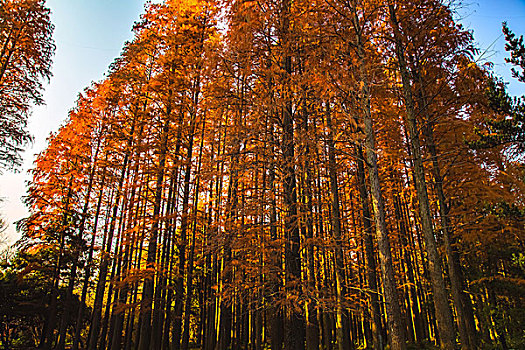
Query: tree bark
[[443, 314], [370, 256], [340, 289], [394, 319]]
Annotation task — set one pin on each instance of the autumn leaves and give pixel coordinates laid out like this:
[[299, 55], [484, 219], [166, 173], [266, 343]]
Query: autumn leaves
[[269, 173]]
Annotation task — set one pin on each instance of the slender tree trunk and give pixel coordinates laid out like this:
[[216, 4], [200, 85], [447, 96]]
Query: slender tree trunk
[[370, 255], [179, 284], [394, 319], [87, 270], [441, 305], [173, 206], [147, 305], [462, 303], [295, 324], [413, 302], [112, 294], [191, 257], [275, 313], [50, 322], [312, 326], [122, 294], [340, 289], [73, 275], [226, 315], [103, 270]]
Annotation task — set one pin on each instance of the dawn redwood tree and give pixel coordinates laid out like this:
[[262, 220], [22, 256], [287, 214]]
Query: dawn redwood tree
[[442, 308], [437, 97], [56, 205], [360, 19]]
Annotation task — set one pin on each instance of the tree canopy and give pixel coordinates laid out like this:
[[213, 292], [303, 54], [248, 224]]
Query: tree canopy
[[278, 174]]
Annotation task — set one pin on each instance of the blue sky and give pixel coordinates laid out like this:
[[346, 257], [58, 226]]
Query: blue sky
[[485, 17], [89, 35]]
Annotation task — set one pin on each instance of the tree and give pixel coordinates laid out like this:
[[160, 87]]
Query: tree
[[243, 179], [506, 127], [500, 130], [26, 49]]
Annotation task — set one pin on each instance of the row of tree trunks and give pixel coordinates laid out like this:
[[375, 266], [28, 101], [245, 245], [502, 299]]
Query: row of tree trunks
[[240, 203]]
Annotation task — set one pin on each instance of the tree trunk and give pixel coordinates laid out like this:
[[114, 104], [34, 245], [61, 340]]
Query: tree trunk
[[295, 325], [179, 284], [189, 274], [50, 322], [340, 289], [394, 319], [443, 315], [462, 303], [73, 275], [370, 255], [146, 304], [87, 272], [103, 270]]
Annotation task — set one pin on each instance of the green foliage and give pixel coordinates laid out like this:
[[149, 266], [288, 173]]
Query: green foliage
[[517, 52], [519, 260], [23, 291], [507, 126], [509, 211], [26, 284]]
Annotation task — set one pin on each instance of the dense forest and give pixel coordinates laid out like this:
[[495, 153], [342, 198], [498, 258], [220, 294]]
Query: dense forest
[[277, 174]]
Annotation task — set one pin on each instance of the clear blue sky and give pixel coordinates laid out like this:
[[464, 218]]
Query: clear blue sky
[[89, 34]]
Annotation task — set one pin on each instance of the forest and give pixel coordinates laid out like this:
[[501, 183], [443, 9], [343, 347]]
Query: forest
[[270, 174]]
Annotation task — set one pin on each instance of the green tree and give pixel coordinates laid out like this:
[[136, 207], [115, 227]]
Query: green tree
[[507, 127], [26, 49]]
